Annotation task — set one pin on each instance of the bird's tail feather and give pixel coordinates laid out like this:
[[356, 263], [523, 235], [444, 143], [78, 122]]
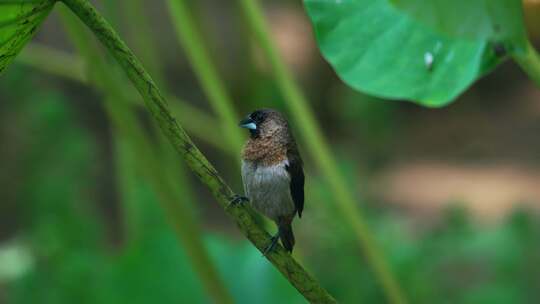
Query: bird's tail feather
[[286, 235]]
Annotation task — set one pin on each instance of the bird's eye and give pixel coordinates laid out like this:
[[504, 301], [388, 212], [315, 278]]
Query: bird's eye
[[257, 116]]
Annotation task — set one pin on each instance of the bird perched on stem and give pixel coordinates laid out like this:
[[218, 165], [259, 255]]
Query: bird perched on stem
[[272, 173]]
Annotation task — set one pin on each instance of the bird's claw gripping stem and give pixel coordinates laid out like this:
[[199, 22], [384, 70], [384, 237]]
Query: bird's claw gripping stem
[[273, 241]]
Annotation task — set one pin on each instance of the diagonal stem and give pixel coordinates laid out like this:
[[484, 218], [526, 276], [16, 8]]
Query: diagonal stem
[[205, 70], [178, 211], [198, 163], [529, 60], [314, 139], [62, 64]]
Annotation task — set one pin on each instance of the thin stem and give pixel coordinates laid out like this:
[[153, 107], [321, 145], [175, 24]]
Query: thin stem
[[529, 61], [199, 58], [53, 61], [192, 40], [63, 64], [175, 205], [177, 210], [142, 37], [126, 181], [198, 163], [314, 139]]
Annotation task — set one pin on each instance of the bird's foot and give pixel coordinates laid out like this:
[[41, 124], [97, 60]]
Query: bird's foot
[[272, 245], [238, 199]]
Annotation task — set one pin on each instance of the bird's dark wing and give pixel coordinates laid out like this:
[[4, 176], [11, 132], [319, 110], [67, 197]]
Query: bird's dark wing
[[296, 172]]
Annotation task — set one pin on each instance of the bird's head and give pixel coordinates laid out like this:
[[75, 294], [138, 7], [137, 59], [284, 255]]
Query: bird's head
[[265, 123]]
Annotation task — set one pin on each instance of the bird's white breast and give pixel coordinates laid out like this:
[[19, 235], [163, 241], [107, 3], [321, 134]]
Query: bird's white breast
[[268, 188]]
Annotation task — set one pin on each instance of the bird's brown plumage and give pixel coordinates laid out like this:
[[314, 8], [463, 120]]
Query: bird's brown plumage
[[270, 146]]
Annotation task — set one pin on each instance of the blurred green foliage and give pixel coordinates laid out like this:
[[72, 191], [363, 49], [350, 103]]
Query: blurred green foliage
[[73, 260], [73, 250], [459, 262], [76, 261]]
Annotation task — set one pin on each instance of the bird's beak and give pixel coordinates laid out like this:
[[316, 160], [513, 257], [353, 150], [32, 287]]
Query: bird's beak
[[248, 123]]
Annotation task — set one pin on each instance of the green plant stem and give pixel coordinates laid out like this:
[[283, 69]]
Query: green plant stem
[[192, 40], [125, 182], [199, 58], [175, 206], [63, 64], [198, 163], [313, 137], [143, 39], [529, 61], [141, 35], [177, 209], [55, 62]]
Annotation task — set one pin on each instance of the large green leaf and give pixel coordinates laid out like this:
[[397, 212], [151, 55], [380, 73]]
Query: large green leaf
[[19, 20], [496, 20], [381, 50]]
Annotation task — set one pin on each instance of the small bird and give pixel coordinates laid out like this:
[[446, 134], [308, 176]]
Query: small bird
[[272, 172]]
